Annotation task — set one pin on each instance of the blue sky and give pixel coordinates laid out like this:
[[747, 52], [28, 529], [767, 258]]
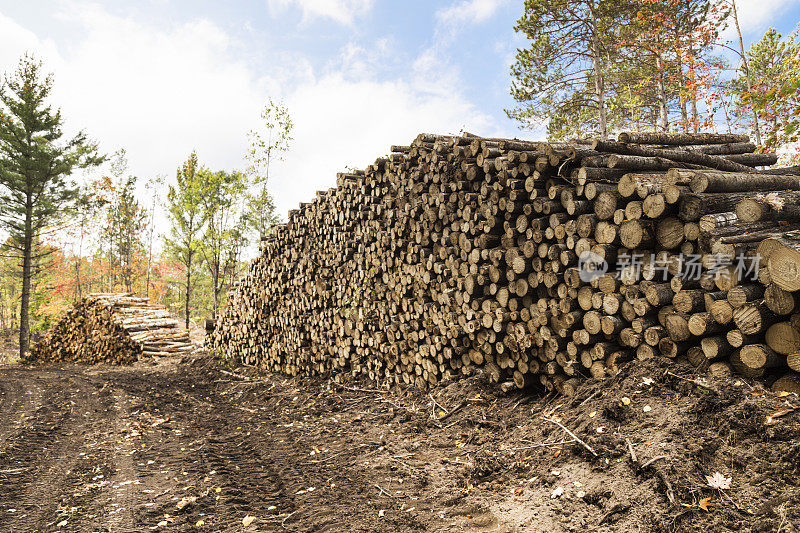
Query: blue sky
[[163, 77]]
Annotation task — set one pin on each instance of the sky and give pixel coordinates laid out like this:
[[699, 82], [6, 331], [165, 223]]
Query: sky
[[161, 78]]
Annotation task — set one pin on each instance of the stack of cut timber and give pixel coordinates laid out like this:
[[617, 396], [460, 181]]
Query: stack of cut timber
[[112, 328], [459, 253]]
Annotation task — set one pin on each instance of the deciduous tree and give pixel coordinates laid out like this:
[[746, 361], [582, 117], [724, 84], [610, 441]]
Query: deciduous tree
[[766, 89], [224, 235], [185, 211], [267, 143]]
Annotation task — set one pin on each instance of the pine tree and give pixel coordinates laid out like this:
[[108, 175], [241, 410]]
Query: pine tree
[[35, 167], [128, 221], [566, 68], [768, 61]]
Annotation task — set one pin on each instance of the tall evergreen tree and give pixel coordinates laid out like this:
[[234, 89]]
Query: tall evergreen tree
[[566, 68], [35, 168]]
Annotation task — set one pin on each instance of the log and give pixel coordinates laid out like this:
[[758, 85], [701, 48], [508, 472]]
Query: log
[[651, 158], [784, 338], [753, 318], [680, 139], [462, 254], [693, 206], [779, 301], [716, 347], [787, 383], [742, 182], [759, 357], [784, 265], [753, 160], [776, 205], [724, 149]]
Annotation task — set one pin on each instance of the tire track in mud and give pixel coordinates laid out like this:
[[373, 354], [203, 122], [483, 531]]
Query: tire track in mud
[[204, 456], [40, 457], [171, 447]]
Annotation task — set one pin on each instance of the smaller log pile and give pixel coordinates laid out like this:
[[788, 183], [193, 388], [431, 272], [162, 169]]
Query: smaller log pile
[[112, 328]]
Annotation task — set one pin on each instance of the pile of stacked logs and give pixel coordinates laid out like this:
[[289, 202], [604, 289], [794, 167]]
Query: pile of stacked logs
[[112, 328], [537, 263]]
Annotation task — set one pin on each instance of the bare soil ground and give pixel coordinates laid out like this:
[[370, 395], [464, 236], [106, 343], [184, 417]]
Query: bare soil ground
[[186, 445], [9, 348]]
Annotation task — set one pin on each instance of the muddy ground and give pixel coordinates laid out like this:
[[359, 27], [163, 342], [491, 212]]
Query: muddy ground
[[184, 445]]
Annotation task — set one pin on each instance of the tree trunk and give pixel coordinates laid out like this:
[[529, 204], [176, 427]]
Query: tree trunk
[[188, 288], [684, 108], [78, 267], [678, 139], [150, 251], [746, 69], [25, 297], [215, 280], [695, 124], [599, 82], [662, 96]]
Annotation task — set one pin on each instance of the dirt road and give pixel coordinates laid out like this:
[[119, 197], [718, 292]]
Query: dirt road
[[184, 446], [126, 450]]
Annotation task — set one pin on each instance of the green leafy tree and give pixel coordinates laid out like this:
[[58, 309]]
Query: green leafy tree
[[267, 143], [760, 89], [185, 211], [780, 103], [35, 168], [224, 235]]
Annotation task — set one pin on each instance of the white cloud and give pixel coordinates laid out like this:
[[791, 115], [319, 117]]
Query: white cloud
[[467, 12], [755, 16], [16, 40], [433, 68], [361, 62], [341, 11], [340, 122]]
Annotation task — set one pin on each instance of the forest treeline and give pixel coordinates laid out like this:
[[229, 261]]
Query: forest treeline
[[592, 67], [64, 237]]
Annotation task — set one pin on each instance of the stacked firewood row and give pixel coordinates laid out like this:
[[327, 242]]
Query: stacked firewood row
[[112, 328], [538, 263]]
